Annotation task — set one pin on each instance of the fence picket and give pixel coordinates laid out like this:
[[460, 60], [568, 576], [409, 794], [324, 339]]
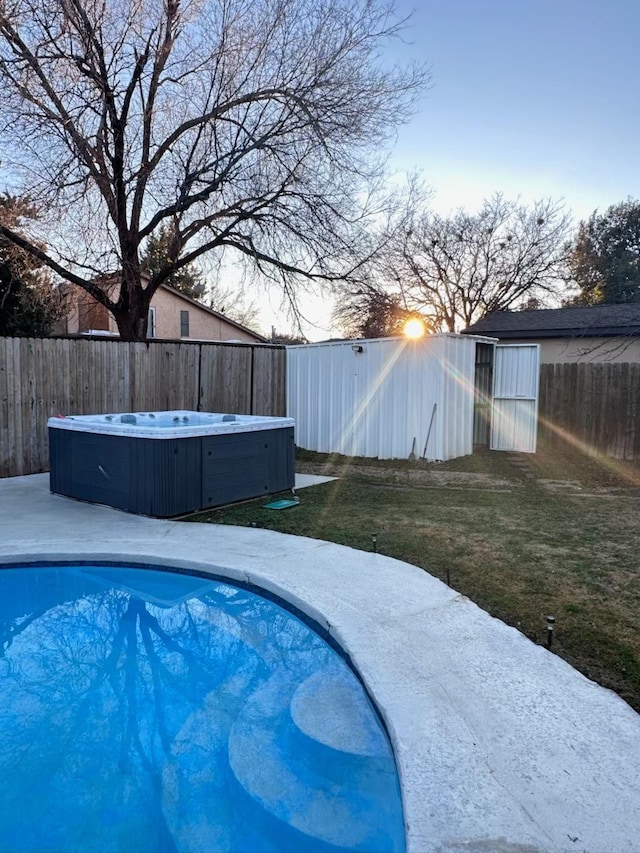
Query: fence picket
[[594, 404], [39, 378]]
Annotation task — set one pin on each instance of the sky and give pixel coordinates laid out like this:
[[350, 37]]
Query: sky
[[532, 98]]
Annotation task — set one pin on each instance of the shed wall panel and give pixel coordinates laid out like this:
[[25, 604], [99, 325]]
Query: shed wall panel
[[514, 426], [515, 397], [458, 375], [384, 398], [516, 371]]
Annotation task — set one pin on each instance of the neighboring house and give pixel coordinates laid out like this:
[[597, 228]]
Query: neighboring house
[[602, 333], [171, 315]]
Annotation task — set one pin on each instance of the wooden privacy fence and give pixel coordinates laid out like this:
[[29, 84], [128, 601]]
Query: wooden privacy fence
[[42, 377], [596, 404]]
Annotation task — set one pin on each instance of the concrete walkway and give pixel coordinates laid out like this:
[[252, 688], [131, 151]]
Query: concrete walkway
[[501, 746]]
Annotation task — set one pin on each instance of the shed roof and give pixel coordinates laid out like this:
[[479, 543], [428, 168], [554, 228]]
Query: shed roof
[[429, 337]]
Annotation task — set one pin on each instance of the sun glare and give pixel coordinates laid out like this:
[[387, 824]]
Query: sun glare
[[414, 328]]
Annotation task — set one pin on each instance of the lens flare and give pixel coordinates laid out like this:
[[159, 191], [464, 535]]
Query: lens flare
[[414, 329]]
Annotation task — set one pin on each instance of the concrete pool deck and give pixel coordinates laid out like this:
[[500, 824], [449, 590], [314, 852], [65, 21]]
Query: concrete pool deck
[[501, 746]]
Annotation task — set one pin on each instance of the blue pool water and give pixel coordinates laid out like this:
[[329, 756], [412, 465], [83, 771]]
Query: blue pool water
[[145, 710]]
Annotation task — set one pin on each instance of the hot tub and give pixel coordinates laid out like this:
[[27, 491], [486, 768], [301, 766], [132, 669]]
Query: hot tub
[[164, 464]]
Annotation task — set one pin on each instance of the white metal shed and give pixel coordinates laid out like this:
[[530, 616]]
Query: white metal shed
[[384, 398]]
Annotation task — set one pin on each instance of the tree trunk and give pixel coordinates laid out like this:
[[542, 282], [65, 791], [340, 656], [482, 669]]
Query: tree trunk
[[131, 312], [131, 327]]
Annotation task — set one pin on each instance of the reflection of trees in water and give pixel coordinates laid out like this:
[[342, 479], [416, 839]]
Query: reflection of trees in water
[[103, 686]]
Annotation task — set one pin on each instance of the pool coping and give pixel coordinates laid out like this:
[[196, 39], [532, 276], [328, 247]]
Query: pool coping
[[500, 745]]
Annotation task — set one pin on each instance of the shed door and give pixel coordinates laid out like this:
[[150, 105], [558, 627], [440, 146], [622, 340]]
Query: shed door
[[483, 388], [516, 372]]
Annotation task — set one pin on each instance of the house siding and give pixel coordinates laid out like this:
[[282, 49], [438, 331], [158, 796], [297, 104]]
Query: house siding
[[583, 350], [86, 314], [202, 325]]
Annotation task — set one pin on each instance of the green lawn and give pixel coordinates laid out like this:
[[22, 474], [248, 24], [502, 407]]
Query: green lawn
[[558, 536]]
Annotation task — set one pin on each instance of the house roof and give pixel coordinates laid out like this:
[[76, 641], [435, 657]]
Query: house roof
[[592, 322], [211, 311]]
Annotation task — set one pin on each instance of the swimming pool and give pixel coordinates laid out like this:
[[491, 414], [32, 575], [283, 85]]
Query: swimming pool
[[162, 711]]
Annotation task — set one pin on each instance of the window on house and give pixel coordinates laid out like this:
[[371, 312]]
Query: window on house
[[184, 324], [151, 323]]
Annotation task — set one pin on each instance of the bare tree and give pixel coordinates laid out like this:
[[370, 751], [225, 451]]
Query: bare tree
[[192, 282], [286, 338], [457, 269], [250, 126], [368, 311]]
